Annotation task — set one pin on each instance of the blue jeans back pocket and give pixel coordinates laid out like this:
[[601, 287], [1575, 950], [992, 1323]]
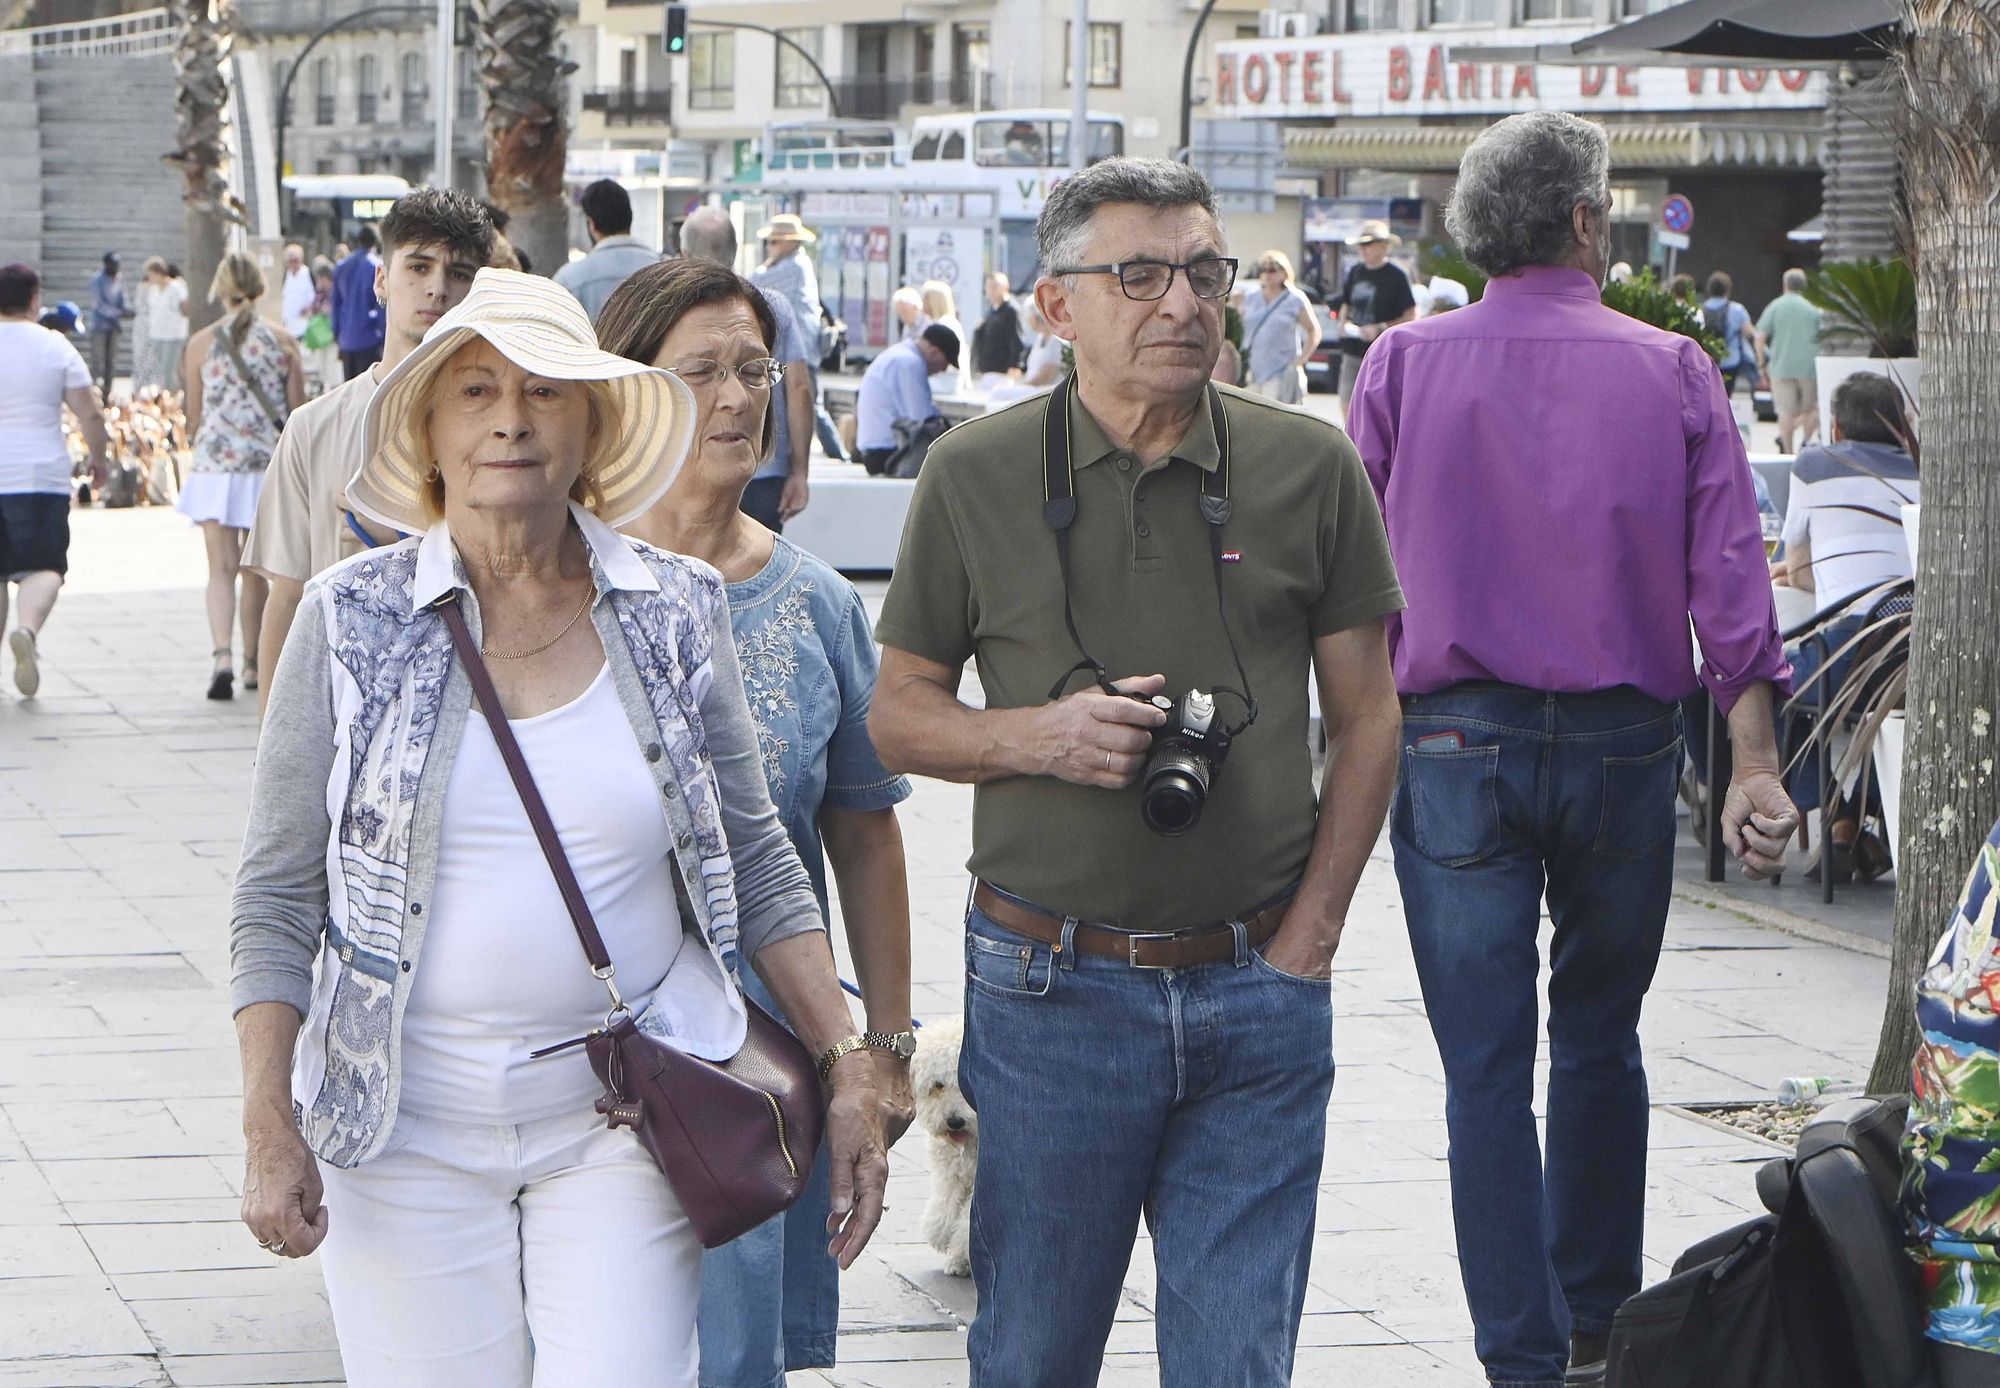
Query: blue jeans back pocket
[[1007, 964], [1454, 802], [1637, 815]]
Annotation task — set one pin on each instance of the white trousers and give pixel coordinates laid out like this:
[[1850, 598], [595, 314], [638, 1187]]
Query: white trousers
[[550, 1254]]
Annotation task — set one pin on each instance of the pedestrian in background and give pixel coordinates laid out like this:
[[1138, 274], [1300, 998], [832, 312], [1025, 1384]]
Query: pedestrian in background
[[788, 272], [295, 293], [40, 373], [163, 313], [1374, 297], [321, 347], [358, 326], [245, 377], [615, 253], [1564, 488], [997, 348], [941, 307], [1742, 346], [1280, 332], [896, 389], [770, 1300], [909, 309], [109, 309], [1093, 943], [1790, 327]]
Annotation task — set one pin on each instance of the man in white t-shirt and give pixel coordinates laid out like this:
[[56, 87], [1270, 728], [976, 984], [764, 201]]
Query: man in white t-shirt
[[40, 372], [433, 243], [295, 305]]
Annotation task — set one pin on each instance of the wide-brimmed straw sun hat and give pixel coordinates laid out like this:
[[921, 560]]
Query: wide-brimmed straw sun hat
[[1372, 232], [786, 224], [540, 327]]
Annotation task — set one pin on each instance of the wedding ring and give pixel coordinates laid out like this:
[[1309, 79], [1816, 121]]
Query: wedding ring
[[1107, 759], [275, 1246]]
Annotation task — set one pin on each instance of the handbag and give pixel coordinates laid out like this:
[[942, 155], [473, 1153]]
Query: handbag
[[736, 1138], [319, 333], [914, 438]]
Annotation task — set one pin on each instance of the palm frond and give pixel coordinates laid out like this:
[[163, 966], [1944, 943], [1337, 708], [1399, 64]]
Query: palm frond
[[1875, 299]]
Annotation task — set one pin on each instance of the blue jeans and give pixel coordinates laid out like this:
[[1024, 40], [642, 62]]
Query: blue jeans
[[1506, 794], [1196, 1097], [770, 1301]]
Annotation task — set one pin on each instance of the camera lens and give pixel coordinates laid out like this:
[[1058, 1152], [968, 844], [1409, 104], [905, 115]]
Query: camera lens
[[1175, 789]]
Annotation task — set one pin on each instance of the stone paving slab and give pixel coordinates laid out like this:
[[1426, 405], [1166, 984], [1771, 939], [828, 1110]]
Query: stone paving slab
[[122, 795]]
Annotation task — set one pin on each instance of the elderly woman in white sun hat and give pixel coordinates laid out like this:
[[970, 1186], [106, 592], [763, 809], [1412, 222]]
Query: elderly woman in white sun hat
[[479, 1222]]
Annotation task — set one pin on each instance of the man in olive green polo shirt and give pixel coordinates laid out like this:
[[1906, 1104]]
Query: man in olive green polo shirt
[[1148, 1018]]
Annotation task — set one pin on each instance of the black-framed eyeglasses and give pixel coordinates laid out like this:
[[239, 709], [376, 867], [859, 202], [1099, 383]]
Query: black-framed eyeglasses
[[759, 373], [1146, 280]]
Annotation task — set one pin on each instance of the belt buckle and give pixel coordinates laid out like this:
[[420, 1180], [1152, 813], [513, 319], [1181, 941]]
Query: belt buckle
[[1132, 941]]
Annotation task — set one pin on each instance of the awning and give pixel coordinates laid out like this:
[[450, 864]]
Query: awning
[[347, 185], [1775, 32], [1812, 230], [1438, 148]]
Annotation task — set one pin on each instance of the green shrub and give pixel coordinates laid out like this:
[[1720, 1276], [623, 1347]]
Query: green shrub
[[1641, 297], [1444, 260]]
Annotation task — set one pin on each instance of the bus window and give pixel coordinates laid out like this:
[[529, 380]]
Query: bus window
[[1017, 142], [1107, 141], [926, 147], [954, 146]]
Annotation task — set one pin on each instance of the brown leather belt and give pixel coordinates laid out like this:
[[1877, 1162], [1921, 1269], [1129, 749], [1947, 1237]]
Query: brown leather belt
[[1177, 949]]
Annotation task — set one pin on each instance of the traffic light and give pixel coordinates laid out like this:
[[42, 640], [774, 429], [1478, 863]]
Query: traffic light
[[675, 41]]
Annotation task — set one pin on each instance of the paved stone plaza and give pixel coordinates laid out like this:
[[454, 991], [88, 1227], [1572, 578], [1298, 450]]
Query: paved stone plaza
[[122, 795]]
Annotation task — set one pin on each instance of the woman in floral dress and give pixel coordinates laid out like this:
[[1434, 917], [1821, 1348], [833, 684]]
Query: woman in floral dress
[[244, 377]]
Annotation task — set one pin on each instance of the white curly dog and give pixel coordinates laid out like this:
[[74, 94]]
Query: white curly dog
[[954, 1131]]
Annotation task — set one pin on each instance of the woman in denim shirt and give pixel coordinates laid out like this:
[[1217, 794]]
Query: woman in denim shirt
[[771, 1300]]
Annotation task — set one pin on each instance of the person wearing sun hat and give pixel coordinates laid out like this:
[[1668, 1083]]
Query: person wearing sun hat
[[478, 1221], [788, 273], [1375, 297]]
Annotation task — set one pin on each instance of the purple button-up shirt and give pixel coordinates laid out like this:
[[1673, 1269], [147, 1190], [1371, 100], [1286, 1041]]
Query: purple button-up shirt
[[1564, 486]]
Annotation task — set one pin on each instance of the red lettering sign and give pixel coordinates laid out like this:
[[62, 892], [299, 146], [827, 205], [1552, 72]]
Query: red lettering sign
[[1434, 74], [1468, 80], [1339, 92], [1284, 62], [1627, 86], [1793, 79], [1592, 80], [1310, 74], [1256, 79], [1399, 73], [1753, 78], [1697, 80], [1524, 81], [1225, 79]]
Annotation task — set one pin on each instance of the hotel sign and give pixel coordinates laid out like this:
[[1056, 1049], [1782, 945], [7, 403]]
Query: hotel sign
[[1415, 74]]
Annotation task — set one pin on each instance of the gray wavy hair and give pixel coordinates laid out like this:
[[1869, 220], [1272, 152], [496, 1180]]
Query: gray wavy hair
[[1518, 185], [1062, 232]]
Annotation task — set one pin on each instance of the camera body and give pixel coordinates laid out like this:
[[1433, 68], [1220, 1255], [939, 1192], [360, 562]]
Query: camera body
[[1187, 756]]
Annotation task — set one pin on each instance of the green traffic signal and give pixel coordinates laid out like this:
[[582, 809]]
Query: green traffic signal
[[676, 29]]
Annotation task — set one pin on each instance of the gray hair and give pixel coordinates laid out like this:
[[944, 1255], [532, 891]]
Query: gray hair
[[1062, 232], [1869, 409], [1518, 185], [1795, 280], [707, 234]]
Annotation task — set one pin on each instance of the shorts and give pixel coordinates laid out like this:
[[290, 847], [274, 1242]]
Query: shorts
[[1793, 395], [34, 533]]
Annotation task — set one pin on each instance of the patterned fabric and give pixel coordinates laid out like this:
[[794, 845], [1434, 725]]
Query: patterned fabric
[[236, 435], [388, 639], [1951, 1171]]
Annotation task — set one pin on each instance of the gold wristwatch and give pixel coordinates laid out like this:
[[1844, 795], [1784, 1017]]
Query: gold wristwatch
[[844, 1047]]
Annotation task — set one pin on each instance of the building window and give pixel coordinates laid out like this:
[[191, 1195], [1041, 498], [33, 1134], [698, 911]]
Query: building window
[[323, 91], [1106, 51], [1637, 9], [467, 99], [364, 90], [413, 88], [798, 84], [1535, 11], [1465, 12], [971, 51], [1377, 14], [923, 50], [711, 71]]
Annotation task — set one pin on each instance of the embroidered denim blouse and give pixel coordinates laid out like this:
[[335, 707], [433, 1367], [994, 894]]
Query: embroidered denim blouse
[[809, 664], [366, 714]]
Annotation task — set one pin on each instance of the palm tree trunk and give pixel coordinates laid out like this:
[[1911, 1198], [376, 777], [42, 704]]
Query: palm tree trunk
[[1951, 797], [201, 93], [523, 74]]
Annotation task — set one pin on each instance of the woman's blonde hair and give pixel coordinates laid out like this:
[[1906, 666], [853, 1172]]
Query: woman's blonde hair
[[938, 300], [1281, 260], [238, 279], [604, 433]]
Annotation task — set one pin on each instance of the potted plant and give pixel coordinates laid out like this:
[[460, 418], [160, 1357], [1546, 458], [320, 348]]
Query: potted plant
[[1869, 311]]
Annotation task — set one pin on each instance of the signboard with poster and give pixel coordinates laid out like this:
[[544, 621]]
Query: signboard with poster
[[953, 255]]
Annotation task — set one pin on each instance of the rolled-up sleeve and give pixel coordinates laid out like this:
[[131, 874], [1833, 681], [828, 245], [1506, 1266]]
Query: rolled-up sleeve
[[1728, 579], [774, 897], [278, 913]]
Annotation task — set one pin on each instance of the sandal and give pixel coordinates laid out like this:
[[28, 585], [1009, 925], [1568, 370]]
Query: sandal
[[249, 674], [221, 684]]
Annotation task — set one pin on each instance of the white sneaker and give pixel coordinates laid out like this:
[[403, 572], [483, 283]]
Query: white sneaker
[[27, 674]]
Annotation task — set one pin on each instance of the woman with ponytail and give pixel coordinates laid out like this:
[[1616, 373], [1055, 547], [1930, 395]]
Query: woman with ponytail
[[244, 377]]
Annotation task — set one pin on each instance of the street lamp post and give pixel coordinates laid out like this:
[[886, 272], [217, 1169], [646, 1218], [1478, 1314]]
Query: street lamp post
[[441, 102], [1079, 87], [1186, 152]]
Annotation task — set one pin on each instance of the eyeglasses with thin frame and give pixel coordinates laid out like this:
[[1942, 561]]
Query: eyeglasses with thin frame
[[1145, 280], [759, 373]]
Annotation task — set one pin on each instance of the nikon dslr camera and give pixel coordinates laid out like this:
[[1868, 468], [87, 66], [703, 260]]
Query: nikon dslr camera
[[1187, 755]]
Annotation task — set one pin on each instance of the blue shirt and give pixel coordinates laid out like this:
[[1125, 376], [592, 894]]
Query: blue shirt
[[1735, 318], [791, 350], [809, 662], [610, 263], [794, 280], [897, 385], [358, 325], [107, 301]]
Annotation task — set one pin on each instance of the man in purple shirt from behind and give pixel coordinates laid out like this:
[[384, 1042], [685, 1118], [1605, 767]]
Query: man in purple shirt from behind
[[1564, 487]]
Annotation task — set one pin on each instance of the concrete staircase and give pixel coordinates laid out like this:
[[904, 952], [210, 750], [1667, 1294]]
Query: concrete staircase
[[20, 163]]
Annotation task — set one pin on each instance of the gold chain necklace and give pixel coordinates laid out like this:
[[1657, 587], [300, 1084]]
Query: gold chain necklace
[[589, 592]]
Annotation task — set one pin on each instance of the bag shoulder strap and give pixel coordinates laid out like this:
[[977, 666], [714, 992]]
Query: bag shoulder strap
[[524, 785], [248, 377]]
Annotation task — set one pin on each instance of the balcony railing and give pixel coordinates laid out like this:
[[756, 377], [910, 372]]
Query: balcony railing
[[631, 105], [879, 98], [415, 109]]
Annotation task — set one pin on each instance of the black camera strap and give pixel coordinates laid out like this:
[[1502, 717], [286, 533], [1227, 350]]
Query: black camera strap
[[1059, 510]]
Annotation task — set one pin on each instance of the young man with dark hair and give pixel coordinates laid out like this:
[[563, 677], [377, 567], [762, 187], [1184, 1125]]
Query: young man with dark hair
[[40, 372], [358, 329], [433, 243], [614, 251]]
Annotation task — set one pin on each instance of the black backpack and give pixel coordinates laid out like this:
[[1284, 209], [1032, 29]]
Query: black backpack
[[1716, 320], [1817, 1294]]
